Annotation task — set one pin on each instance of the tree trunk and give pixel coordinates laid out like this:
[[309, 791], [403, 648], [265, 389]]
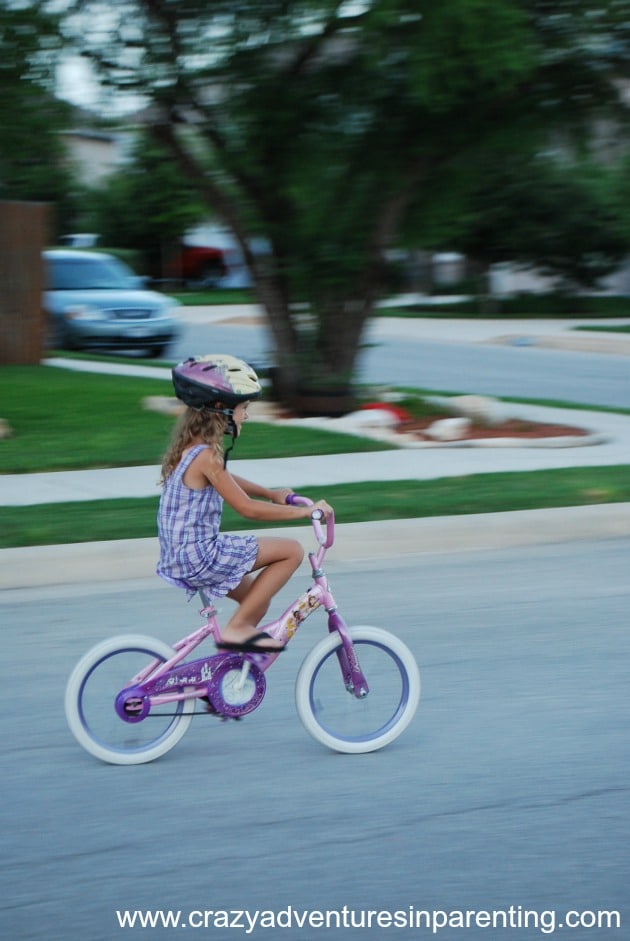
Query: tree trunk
[[315, 369]]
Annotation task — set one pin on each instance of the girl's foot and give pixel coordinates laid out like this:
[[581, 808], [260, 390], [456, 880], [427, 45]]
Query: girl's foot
[[258, 642]]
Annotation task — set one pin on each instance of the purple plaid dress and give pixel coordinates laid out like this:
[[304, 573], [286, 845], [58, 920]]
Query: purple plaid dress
[[193, 553]]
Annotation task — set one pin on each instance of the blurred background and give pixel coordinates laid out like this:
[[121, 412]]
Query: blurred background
[[322, 158]]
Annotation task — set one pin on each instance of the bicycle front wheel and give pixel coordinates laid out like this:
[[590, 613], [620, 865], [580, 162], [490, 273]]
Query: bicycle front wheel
[[335, 716], [90, 700]]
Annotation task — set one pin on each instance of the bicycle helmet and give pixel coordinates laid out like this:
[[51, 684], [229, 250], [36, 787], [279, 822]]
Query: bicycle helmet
[[217, 382]]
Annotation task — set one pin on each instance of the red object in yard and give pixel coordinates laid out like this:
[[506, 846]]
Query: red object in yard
[[399, 413]]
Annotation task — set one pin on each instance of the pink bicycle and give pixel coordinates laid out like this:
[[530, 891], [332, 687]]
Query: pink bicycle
[[131, 698]]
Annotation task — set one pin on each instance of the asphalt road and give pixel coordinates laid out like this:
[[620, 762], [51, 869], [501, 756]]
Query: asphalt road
[[526, 371], [513, 371], [509, 791]]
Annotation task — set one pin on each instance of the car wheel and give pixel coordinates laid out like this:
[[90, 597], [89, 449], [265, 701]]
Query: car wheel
[[54, 334], [156, 352]]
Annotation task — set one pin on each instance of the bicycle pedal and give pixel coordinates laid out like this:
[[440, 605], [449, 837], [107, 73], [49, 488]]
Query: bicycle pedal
[[209, 709]]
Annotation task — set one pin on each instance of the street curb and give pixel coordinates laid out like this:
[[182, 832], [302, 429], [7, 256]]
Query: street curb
[[118, 560], [616, 345]]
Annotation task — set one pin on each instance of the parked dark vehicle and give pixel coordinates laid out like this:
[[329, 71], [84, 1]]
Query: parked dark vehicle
[[197, 265], [94, 301]]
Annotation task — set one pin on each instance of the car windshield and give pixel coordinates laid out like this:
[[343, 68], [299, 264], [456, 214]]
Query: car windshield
[[81, 274]]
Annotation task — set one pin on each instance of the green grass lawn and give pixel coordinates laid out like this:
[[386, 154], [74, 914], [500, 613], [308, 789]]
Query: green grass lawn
[[524, 306], [606, 328], [214, 297], [67, 420], [52, 523], [63, 419], [536, 306]]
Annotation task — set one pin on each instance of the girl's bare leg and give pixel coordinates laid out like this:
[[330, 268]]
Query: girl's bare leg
[[277, 559]]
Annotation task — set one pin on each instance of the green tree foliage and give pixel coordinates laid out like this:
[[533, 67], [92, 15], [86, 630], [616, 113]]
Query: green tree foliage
[[621, 194], [561, 219], [146, 205], [32, 153], [317, 123]]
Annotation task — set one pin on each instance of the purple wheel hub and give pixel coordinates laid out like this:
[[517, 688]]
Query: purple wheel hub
[[237, 687], [132, 705]]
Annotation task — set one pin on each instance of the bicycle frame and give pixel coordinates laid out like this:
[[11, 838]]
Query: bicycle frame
[[161, 682]]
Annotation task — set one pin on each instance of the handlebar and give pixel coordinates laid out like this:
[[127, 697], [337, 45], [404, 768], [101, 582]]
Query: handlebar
[[325, 541]]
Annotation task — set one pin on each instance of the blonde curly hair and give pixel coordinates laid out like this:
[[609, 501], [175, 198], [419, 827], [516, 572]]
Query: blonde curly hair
[[194, 425]]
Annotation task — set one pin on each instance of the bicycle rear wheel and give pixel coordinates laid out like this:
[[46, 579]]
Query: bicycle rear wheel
[[90, 699], [335, 716]]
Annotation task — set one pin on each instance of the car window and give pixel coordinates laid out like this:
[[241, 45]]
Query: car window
[[81, 274]]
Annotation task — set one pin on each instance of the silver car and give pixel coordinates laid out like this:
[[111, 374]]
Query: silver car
[[94, 301]]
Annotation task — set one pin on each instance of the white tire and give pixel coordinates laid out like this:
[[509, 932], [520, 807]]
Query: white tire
[[340, 720], [90, 697]]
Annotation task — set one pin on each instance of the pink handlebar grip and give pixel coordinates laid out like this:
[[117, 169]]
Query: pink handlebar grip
[[294, 499], [316, 520]]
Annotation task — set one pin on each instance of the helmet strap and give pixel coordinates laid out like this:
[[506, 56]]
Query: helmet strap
[[228, 412], [231, 428], [226, 453]]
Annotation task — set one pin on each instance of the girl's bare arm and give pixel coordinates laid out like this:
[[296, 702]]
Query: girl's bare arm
[[262, 493], [260, 503]]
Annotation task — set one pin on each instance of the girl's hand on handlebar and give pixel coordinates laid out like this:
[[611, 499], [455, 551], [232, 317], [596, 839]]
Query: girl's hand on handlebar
[[322, 505], [282, 495], [295, 499]]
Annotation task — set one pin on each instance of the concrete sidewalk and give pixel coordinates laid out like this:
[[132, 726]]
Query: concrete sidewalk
[[368, 543], [557, 332], [127, 559], [608, 443]]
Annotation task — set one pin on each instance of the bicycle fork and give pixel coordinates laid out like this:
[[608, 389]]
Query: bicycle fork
[[353, 678]]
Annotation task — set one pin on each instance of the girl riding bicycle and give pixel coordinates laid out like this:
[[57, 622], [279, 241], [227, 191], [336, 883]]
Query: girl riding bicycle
[[193, 553]]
